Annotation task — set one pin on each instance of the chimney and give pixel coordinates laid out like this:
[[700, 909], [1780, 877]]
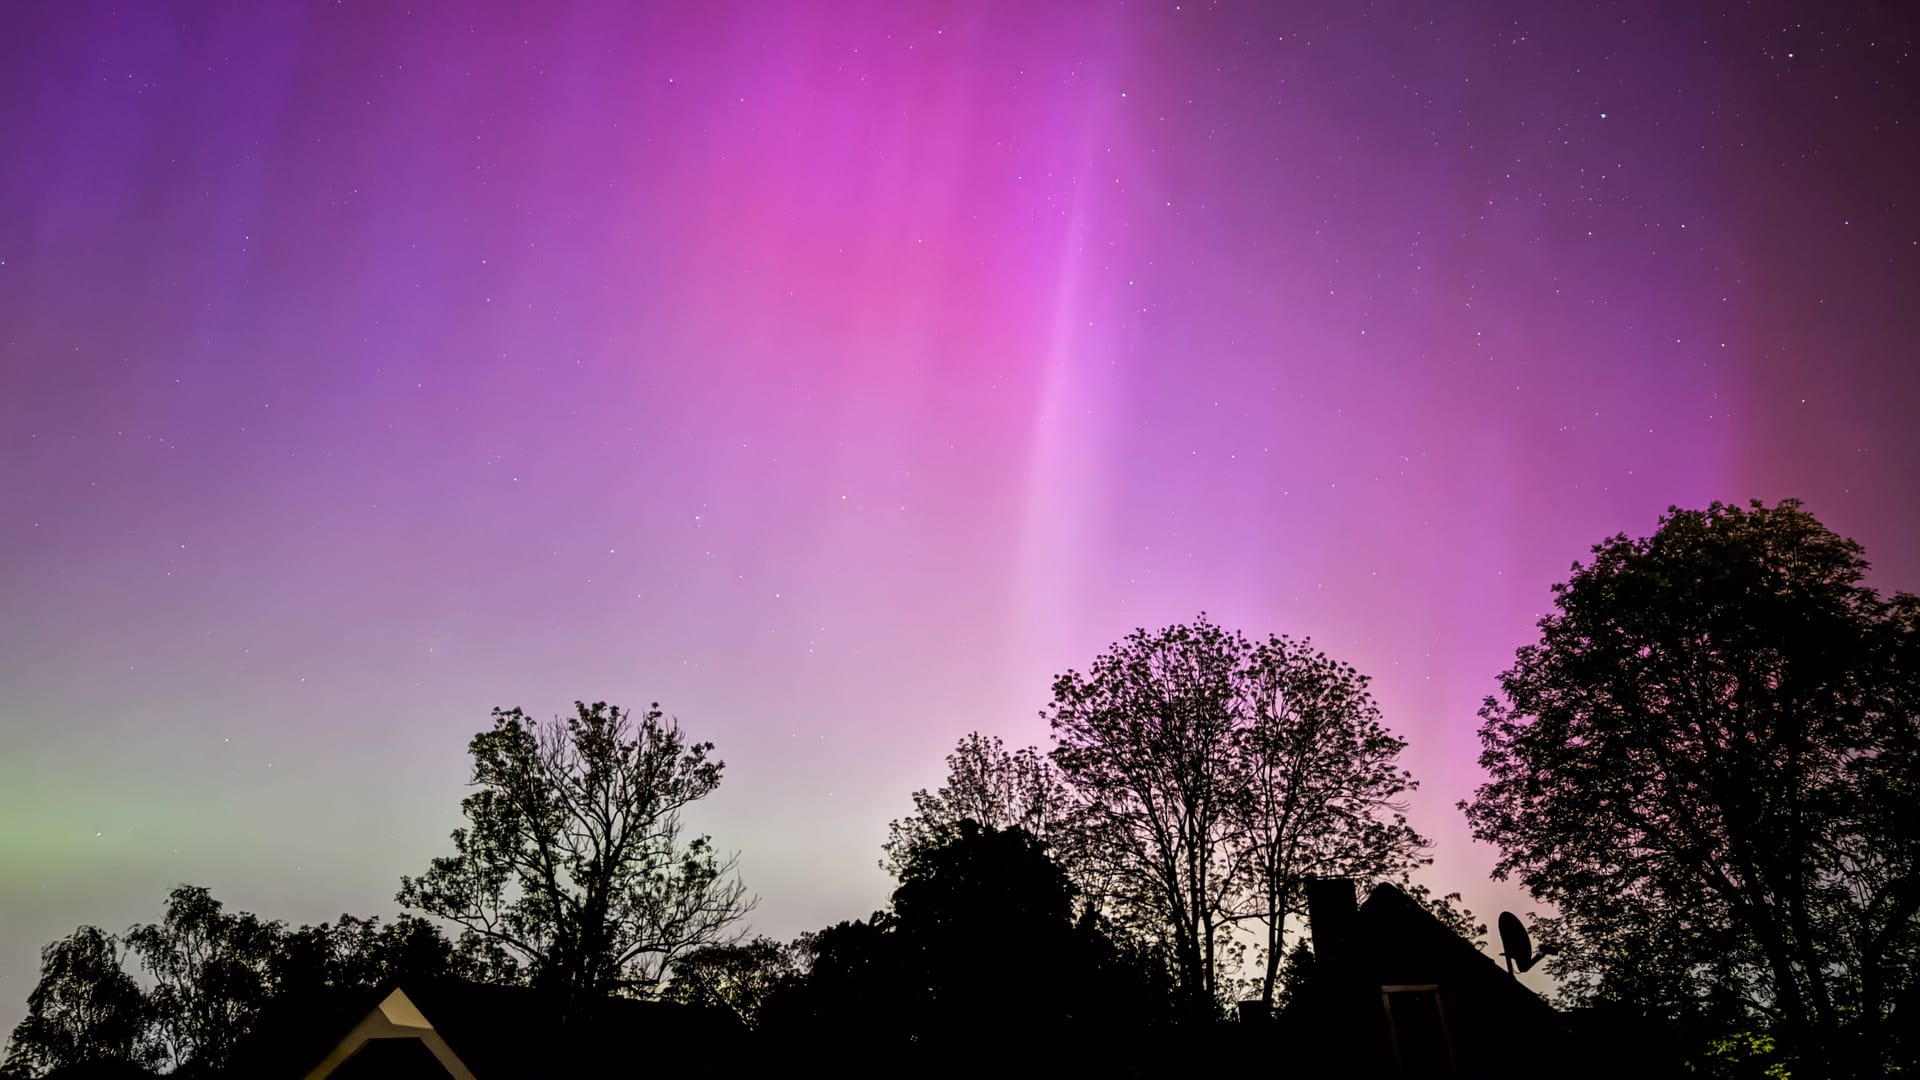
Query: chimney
[[1331, 915]]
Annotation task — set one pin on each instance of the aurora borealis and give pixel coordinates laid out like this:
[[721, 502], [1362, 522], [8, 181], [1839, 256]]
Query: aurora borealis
[[835, 374]]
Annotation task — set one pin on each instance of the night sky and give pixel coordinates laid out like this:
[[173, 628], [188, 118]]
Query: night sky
[[836, 374]]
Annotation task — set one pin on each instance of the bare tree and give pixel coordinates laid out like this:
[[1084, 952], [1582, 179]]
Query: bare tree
[[573, 859]]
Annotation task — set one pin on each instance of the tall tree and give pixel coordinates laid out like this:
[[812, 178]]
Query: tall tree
[[85, 1010], [1146, 741], [1320, 788], [1703, 763], [573, 858], [211, 972], [986, 784], [1210, 777]]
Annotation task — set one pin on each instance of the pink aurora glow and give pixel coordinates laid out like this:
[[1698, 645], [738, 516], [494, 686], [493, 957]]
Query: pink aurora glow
[[836, 374]]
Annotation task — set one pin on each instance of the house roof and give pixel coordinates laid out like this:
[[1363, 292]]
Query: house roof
[[480, 1032], [1402, 942], [1481, 1018]]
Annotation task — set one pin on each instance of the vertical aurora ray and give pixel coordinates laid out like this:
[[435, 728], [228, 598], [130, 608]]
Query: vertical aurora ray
[[1067, 479]]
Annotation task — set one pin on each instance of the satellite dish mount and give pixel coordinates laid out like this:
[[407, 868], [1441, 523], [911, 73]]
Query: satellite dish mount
[[1517, 946]]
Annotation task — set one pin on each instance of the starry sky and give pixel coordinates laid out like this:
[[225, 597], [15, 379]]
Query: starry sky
[[835, 374]]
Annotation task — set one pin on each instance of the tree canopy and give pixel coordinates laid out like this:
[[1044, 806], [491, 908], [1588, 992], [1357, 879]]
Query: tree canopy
[[984, 963], [86, 1009], [1210, 776], [1319, 789], [216, 980], [1705, 764], [212, 971], [737, 977], [986, 784], [573, 859], [988, 918]]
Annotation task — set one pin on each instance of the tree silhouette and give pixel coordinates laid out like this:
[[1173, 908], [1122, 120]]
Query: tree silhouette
[[738, 978], [979, 967], [322, 975], [985, 784], [855, 1004], [986, 922], [352, 953], [573, 859], [220, 980], [1210, 776], [1298, 976], [1450, 910], [1319, 787], [85, 1010], [1706, 764], [212, 974], [1146, 741]]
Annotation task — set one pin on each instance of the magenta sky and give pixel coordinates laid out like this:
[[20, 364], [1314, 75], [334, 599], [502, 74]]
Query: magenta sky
[[836, 374]]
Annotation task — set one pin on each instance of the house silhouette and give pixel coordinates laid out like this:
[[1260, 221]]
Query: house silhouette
[[453, 1030], [1395, 993]]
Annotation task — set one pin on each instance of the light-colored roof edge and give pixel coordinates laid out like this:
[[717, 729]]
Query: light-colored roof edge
[[396, 1017]]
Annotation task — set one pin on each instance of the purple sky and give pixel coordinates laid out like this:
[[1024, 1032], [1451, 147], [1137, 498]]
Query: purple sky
[[836, 374]]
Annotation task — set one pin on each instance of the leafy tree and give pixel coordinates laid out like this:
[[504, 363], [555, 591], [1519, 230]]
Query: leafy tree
[[1146, 742], [360, 954], [321, 975], [987, 918], [573, 860], [979, 953], [985, 784], [220, 980], [85, 1010], [1742, 1055], [106, 1070], [985, 924], [1210, 776], [1704, 763], [736, 977], [212, 974], [483, 959], [1319, 786], [854, 1005], [1449, 909]]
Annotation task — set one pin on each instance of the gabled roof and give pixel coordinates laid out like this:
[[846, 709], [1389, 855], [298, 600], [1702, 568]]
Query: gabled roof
[[1402, 942], [1390, 962], [479, 1032]]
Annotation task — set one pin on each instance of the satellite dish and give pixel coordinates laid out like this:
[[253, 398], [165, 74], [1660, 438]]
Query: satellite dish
[[1516, 946]]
